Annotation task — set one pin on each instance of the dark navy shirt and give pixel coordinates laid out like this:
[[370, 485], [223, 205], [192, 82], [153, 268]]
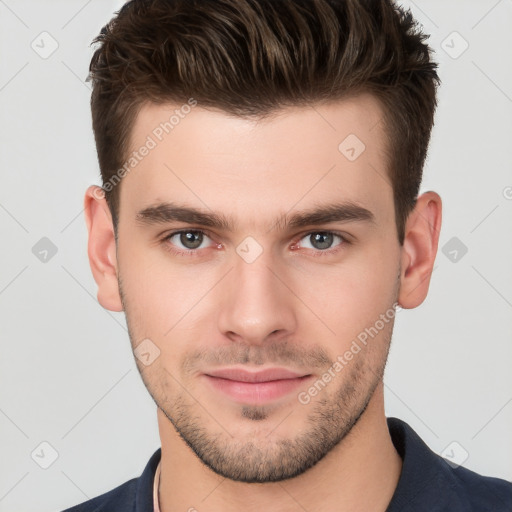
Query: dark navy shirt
[[428, 483]]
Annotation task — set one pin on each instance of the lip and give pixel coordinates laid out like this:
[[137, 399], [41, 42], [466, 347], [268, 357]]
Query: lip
[[255, 387], [242, 375]]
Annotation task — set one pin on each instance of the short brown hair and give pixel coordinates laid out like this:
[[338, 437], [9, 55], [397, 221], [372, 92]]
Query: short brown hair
[[254, 57]]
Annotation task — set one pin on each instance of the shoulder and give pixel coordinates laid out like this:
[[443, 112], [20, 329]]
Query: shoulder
[[430, 483], [135, 495], [121, 498], [481, 492]]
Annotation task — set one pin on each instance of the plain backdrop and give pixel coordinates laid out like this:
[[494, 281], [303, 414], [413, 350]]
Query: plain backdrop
[[71, 397]]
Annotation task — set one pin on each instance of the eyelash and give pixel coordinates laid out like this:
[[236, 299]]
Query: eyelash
[[195, 252]]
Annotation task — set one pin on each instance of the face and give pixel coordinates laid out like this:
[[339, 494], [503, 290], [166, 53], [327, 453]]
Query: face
[[290, 255]]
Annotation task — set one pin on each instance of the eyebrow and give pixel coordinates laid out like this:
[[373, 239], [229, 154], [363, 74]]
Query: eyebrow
[[165, 212]]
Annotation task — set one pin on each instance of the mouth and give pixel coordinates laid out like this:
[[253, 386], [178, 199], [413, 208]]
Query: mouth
[[255, 387]]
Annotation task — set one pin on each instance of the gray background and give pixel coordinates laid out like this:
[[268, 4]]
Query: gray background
[[67, 374]]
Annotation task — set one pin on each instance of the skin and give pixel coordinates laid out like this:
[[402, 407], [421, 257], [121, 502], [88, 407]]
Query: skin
[[296, 305]]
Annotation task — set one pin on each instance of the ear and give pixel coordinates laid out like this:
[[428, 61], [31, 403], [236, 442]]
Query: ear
[[419, 250], [101, 248]]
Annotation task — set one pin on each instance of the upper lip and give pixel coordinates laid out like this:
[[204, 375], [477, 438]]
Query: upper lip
[[266, 375]]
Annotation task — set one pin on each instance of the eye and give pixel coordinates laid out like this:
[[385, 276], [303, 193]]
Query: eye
[[322, 241], [187, 241]]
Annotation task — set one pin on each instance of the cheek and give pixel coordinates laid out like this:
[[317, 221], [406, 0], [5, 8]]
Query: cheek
[[351, 295], [156, 290], [164, 301]]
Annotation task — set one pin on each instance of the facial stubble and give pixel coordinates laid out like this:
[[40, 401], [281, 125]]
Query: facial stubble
[[333, 414]]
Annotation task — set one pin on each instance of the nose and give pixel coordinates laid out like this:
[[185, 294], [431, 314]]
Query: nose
[[256, 304]]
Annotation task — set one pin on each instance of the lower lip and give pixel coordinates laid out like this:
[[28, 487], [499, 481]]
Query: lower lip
[[255, 392]]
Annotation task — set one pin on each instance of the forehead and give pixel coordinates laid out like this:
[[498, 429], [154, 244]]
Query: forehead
[[295, 158]]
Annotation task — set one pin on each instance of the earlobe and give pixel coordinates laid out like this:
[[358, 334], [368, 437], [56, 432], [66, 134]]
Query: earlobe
[[419, 249], [101, 248]]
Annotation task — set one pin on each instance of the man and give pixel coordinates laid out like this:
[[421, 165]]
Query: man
[[259, 224]]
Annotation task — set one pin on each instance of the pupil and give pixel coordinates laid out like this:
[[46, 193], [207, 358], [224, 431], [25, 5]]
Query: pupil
[[321, 240], [191, 239]]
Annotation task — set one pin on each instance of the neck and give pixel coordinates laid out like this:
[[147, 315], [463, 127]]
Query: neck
[[359, 474]]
